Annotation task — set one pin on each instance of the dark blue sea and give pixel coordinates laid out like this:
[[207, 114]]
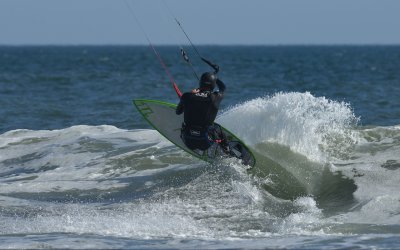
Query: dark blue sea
[[80, 168]]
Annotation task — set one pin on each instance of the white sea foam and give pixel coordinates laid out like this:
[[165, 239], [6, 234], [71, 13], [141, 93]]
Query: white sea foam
[[142, 220], [374, 165], [60, 159], [313, 126], [220, 201], [324, 131]]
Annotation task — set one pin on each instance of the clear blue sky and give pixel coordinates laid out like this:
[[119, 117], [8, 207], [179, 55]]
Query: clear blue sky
[[206, 21]]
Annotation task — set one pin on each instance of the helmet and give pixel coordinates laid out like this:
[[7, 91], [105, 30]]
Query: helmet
[[208, 81]]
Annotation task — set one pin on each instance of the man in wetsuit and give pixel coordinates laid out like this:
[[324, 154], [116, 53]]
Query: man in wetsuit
[[200, 108]]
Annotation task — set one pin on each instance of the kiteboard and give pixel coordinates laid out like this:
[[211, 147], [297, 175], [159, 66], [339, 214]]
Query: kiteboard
[[162, 117]]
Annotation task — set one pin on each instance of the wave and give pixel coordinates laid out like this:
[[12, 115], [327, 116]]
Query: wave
[[316, 127], [313, 146], [50, 160], [317, 172]]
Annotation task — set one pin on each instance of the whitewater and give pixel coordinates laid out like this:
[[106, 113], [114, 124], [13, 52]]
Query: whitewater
[[321, 179]]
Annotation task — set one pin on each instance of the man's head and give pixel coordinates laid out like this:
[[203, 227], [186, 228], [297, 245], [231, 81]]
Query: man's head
[[207, 81]]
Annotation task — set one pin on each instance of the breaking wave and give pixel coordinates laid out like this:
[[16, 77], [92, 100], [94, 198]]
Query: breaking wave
[[317, 173]]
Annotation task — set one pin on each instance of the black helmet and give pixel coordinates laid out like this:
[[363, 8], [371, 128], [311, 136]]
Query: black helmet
[[208, 81]]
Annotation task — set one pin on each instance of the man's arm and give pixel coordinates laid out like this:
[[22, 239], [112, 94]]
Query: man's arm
[[221, 86], [180, 107], [218, 96]]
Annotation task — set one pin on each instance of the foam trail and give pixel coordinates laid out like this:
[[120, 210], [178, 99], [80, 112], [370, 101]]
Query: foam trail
[[306, 124]]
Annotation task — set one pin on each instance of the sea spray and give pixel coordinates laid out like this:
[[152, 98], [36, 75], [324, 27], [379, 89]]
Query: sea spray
[[315, 127]]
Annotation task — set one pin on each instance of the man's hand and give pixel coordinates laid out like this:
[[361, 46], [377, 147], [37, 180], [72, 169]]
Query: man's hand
[[195, 91]]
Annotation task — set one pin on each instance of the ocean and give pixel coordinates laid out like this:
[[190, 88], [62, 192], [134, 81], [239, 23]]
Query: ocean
[[80, 168]]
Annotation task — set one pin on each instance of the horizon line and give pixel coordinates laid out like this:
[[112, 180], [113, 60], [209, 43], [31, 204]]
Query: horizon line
[[205, 44]]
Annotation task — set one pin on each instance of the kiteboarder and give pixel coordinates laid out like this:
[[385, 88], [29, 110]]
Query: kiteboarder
[[200, 108]]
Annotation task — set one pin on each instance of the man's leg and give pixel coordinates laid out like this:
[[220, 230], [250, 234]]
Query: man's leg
[[223, 140]]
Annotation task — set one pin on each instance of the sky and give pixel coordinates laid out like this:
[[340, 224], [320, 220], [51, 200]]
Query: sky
[[215, 22]]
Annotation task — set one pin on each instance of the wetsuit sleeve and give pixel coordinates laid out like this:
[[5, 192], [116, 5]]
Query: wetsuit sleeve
[[221, 86], [218, 96], [180, 107]]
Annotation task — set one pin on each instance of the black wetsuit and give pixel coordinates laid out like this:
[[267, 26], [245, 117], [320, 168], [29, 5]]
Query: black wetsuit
[[200, 110]]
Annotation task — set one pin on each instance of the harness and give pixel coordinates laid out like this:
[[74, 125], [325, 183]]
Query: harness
[[196, 137]]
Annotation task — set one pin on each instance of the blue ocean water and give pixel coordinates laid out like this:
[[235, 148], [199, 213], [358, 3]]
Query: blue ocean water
[[80, 168], [57, 87]]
